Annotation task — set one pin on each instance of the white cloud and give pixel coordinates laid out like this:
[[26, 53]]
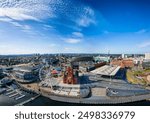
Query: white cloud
[[5, 19], [86, 18], [85, 21], [141, 31], [17, 24], [73, 40], [77, 34], [16, 14], [144, 44], [26, 27], [38, 10], [89, 11], [47, 27], [28, 9]]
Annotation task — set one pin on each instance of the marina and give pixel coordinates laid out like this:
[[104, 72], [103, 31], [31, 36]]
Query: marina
[[14, 96], [74, 82]]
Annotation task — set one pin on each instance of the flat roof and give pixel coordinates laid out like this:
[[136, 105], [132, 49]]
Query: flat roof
[[25, 68], [106, 70]]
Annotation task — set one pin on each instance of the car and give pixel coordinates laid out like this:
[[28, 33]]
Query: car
[[114, 92]]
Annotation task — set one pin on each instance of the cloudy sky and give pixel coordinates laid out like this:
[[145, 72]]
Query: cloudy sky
[[74, 26]]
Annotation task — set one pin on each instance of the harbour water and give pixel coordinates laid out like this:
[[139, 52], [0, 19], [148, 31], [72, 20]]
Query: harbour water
[[5, 100], [43, 101]]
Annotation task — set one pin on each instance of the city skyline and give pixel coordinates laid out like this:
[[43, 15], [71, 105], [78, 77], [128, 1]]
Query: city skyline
[[70, 26]]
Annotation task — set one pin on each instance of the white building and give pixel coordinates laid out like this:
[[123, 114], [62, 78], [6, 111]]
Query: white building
[[123, 56], [147, 55]]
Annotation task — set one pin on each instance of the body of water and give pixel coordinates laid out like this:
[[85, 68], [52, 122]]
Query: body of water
[[43, 101]]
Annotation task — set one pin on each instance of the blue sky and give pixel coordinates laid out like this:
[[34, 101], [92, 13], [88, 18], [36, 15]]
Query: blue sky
[[74, 26]]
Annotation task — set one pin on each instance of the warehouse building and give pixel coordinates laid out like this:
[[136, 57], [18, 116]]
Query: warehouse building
[[106, 70], [26, 74]]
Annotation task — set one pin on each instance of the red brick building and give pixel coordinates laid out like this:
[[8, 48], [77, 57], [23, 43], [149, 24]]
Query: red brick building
[[123, 63], [70, 76]]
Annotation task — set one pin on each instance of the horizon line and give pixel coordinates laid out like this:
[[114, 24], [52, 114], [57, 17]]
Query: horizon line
[[70, 53]]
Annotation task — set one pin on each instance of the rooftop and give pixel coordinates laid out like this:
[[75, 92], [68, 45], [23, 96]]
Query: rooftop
[[25, 68], [107, 70]]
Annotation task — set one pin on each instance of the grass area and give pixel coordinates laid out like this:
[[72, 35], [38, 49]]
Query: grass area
[[147, 70], [141, 72], [131, 77]]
